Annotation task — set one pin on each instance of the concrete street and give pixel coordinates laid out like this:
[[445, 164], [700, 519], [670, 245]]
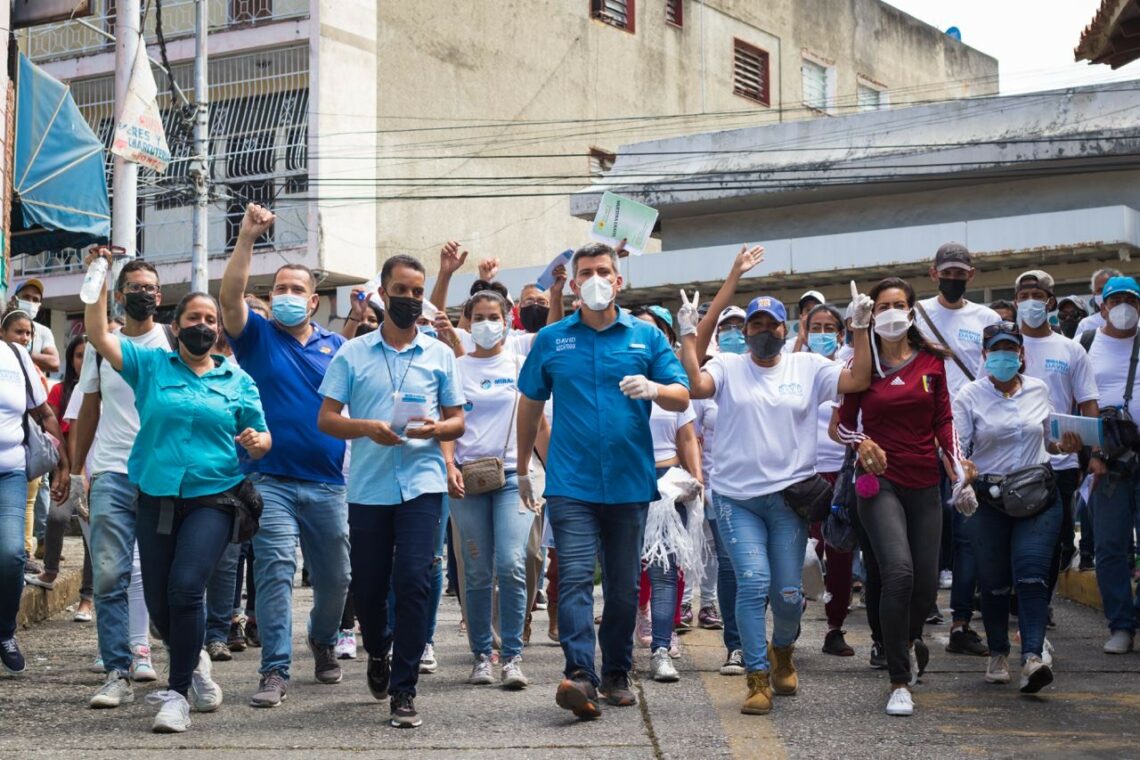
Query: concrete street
[[1090, 712]]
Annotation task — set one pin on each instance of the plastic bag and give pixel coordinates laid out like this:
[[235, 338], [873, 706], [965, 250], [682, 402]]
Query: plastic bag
[[665, 533], [813, 585]]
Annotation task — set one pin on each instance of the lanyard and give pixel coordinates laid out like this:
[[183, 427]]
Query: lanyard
[[392, 377]]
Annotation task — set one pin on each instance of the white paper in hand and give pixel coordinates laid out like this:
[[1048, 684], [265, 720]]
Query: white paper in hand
[[405, 407], [620, 219], [547, 278]]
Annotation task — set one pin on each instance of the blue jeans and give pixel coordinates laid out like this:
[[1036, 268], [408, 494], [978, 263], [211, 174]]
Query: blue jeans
[[393, 548], [494, 530], [1016, 554], [965, 570], [580, 530], [726, 590], [1114, 516], [13, 508], [176, 568], [663, 582], [316, 514], [220, 595], [438, 574], [766, 542], [114, 511]]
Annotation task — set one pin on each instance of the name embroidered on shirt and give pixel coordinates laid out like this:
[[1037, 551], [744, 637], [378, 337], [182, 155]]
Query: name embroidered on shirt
[[1056, 366], [969, 336], [898, 381], [634, 346], [565, 344]]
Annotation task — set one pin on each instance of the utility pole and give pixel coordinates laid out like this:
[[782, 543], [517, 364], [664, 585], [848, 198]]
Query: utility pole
[[199, 272], [125, 175]]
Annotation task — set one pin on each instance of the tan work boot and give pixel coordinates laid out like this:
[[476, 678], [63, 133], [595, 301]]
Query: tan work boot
[[759, 699], [784, 678], [552, 612]]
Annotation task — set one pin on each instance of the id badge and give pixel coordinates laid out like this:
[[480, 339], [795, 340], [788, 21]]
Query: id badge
[[405, 407]]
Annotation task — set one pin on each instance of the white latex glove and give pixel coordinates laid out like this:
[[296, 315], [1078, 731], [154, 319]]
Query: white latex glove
[[687, 316], [526, 492], [639, 387], [963, 498], [861, 306]]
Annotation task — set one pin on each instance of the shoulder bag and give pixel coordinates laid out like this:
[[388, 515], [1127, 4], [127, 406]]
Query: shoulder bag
[[1022, 493], [810, 499], [942, 341], [488, 474], [41, 455]]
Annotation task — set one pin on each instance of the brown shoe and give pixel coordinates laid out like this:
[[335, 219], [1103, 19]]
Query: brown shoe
[[615, 689], [578, 695], [552, 613], [784, 678], [759, 699]]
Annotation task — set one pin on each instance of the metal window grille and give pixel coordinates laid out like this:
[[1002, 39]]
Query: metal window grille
[[750, 76], [619, 13], [868, 98], [244, 11]]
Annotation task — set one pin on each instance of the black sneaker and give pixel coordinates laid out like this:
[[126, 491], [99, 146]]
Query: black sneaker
[[966, 641], [615, 689], [404, 712], [252, 635], [11, 656], [326, 668], [835, 644], [578, 694], [1049, 621], [236, 640], [1087, 563], [379, 676], [271, 691], [878, 656], [921, 655]]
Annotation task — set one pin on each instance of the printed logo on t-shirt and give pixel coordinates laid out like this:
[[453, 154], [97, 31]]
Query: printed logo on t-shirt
[[897, 381], [1056, 367], [791, 389], [927, 384], [468, 406], [485, 385], [504, 380], [969, 336], [565, 344], [8, 376]]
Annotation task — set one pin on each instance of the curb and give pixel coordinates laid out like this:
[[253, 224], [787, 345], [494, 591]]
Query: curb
[[1080, 587], [37, 604]]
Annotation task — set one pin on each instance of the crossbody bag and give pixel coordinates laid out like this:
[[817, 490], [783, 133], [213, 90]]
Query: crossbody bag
[[488, 474], [1021, 493], [41, 454], [937, 334]]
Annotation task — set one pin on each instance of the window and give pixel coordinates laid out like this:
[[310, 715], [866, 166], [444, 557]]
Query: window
[[675, 12], [870, 97], [601, 161], [250, 10], [815, 84], [750, 72], [617, 13]]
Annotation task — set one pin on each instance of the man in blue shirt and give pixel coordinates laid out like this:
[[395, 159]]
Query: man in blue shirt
[[604, 369], [301, 479], [404, 396]]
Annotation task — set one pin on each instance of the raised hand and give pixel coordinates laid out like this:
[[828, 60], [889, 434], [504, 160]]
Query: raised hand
[[747, 259], [559, 279], [861, 307], [451, 258], [256, 222], [488, 268], [687, 316]]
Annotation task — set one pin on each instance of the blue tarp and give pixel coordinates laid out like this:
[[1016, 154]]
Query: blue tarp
[[60, 186]]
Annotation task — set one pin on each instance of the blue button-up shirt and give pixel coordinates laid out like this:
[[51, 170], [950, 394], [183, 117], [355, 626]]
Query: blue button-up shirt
[[187, 424], [289, 375], [601, 450], [365, 374]]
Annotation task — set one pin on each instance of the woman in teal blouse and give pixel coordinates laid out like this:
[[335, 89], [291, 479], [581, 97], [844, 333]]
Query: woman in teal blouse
[[195, 409]]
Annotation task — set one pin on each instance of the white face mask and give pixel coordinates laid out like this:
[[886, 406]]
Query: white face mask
[[1123, 316], [487, 334], [1033, 313], [892, 324], [597, 293], [31, 308]]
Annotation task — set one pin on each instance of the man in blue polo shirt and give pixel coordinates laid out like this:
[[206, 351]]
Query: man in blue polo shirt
[[405, 398], [604, 369], [301, 479]]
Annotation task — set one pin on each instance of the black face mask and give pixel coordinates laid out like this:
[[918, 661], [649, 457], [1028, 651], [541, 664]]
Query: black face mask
[[364, 329], [1069, 326], [404, 311], [765, 345], [140, 306], [533, 317], [198, 339], [952, 290]]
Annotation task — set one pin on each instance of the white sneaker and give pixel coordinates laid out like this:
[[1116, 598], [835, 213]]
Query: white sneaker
[[512, 676], [173, 715], [1035, 675], [481, 674], [345, 645], [945, 579], [675, 646], [142, 669], [96, 665], [115, 691], [662, 666], [1047, 653], [205, 695], [901, 702], [997, 671], [1120, 642], [428, 663]]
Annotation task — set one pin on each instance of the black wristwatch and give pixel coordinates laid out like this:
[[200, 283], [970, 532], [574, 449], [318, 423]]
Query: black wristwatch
[[1099, 455]]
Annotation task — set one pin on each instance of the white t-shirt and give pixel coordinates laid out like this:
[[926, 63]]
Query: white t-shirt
[[706, 411], [517, 342], [1093, 321], [766, 438], [1110, 358], [1001, 435], [14, 402], [1065, 368], [118, 418], [663, 427], [41, 336], [962, 328], [831, 454], [490, 387]]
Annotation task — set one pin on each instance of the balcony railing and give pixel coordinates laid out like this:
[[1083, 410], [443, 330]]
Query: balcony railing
[[71, 39]]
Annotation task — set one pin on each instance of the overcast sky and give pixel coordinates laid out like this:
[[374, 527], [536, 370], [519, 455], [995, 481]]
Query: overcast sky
[[1032, 40]]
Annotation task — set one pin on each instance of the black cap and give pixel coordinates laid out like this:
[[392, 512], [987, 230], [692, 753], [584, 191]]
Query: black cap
[[952, 255]]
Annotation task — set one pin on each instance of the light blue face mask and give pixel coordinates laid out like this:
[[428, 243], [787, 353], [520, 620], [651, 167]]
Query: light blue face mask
[[1032, 313], [824, 344], [428, 330], [1003, 365], [290, 310], [731, 341]]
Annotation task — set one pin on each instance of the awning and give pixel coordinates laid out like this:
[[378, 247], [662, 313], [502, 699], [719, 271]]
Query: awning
[[60, 187]]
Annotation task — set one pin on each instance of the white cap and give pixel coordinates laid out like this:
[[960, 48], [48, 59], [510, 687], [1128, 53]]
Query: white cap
[[729, 313], [812, 294]]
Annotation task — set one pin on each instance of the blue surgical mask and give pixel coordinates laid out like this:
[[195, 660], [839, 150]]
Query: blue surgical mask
[[732, 342], [1003, 365], [824, 344], [290, 310], [428, 330], [1032, 313]]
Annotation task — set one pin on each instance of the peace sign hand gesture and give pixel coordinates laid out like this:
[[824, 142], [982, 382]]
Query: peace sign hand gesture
[[687, 316]]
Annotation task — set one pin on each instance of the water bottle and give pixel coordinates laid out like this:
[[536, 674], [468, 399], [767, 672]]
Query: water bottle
[[92, 286]]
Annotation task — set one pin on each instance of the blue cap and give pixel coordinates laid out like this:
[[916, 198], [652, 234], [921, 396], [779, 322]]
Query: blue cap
[[661, 313], [1120, 285], [768, 305]]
